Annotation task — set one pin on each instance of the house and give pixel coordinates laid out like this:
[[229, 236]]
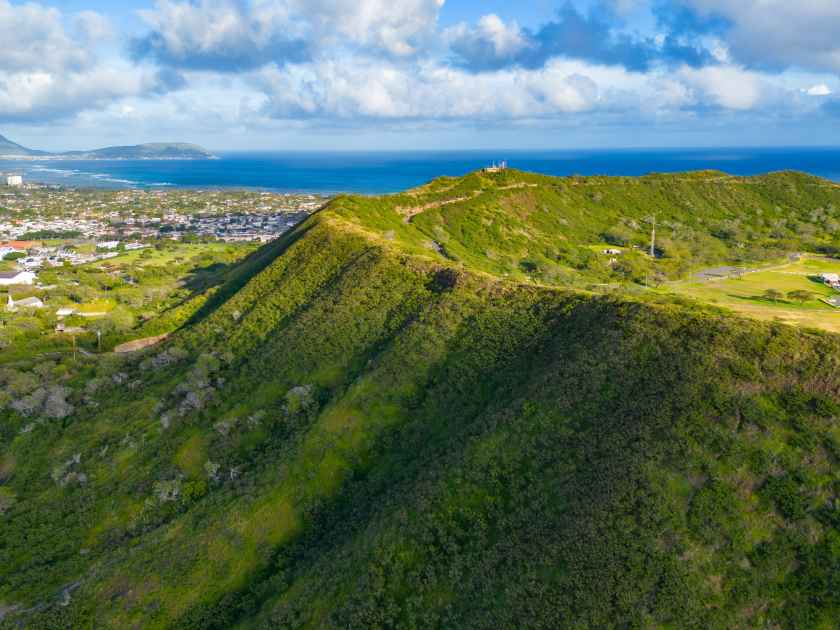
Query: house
[[613, 252], [20, 246], [15, 181], [108, 245], [31, 302], [65, 311], [10, 278], [831, 279]]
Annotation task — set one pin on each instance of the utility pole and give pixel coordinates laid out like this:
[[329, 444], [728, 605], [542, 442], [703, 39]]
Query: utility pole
[[653, 239]]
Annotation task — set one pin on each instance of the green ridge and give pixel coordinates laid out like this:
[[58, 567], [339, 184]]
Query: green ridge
[[355, 430]]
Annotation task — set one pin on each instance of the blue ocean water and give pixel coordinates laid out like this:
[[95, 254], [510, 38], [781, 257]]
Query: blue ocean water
[[383, 172]]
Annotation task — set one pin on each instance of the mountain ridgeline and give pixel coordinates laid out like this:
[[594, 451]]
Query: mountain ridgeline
[[150, 151], [13, 149], [417, 411]]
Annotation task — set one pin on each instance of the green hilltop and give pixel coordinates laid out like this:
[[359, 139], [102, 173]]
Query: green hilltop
[[423, 411]]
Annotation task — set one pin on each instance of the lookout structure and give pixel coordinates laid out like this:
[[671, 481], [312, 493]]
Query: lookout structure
[[496, 167]]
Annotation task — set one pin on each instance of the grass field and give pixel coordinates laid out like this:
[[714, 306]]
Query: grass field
[[172, 255], [745, 295]]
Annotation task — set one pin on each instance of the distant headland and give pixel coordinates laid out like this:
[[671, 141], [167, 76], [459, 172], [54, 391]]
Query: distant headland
[[152, 151]]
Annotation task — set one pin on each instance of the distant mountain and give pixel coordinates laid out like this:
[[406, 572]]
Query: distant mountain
[[13, 149], [150, 151], [157, 151]]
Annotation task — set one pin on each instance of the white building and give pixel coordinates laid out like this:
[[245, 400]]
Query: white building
[[31, 302], [108, 245], [16, 181], [831, 279], [9, 278]]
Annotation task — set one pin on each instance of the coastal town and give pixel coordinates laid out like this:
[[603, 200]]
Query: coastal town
[[43, 226], [94, 264]]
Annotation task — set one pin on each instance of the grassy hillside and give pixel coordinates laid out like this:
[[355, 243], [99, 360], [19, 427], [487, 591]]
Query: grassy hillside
[[555, 230], [356, 430]]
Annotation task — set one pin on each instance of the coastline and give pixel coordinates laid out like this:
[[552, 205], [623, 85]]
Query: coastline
[[388, 172], [88, 158]]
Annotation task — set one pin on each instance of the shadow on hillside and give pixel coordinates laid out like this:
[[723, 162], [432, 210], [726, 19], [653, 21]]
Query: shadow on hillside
[[201, 279], [231, 279]]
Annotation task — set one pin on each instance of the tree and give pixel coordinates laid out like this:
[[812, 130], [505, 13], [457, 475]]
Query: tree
[[773, 295], [799, 296]]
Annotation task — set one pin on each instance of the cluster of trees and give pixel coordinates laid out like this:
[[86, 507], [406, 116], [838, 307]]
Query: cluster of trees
[[799, 296]]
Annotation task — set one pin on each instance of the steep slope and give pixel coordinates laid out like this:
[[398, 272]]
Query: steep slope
[[354, 432]]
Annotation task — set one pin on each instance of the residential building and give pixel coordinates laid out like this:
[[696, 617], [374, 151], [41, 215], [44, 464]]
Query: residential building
[[11, 278], [831, 279], [30, 302]]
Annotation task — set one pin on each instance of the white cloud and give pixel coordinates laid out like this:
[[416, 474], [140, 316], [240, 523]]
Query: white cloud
[[232, 35], [360, 87], [397, 28], [93, 28], [48, 71], [363, 88], [44, 95], [361, 63], [726, 86], [33, 38], [491, 40], [820, 89], [219, 34], [780, 32]]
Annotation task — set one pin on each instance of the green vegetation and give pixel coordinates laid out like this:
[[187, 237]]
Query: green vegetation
[[548, 230], [394, 417], [141, 293], [801, 294]]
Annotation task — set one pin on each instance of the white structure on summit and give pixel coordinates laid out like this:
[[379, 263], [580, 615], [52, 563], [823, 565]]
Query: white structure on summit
[[496, 167], [15, 181]]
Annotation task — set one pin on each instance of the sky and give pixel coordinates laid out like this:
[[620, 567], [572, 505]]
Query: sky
[[420, 74]]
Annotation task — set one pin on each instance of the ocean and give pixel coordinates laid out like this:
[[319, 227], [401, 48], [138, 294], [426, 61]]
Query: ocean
[[384, 172]]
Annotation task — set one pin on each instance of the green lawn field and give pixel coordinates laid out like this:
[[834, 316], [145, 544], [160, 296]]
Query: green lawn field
[[745, 295]]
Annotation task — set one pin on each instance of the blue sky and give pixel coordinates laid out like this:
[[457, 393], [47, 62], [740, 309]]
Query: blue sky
[[424, 74]]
